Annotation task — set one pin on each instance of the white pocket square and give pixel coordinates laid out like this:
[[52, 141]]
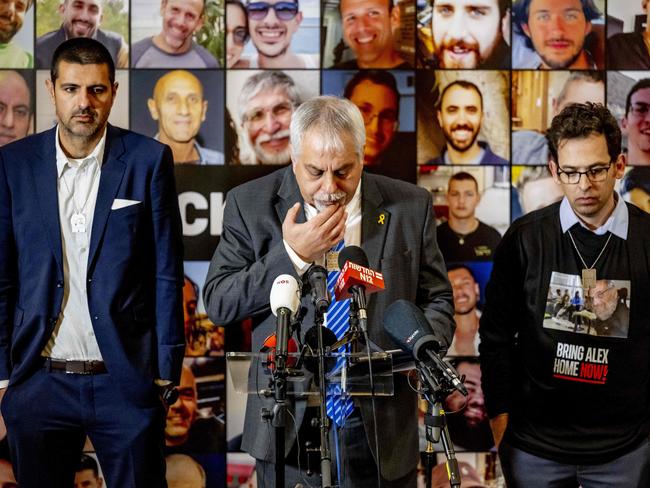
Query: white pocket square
[[122, 202]]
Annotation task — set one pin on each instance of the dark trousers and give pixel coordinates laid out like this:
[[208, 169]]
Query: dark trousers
[[525, 470], [49, 415], [357, 464]]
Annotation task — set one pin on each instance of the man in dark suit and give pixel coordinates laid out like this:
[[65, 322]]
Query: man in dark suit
[[286, 221], [91, 260]]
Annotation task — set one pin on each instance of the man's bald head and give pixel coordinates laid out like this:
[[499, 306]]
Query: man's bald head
[[178, 106]]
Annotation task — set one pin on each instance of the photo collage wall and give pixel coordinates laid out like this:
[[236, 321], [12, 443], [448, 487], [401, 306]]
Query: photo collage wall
[[456, 96]]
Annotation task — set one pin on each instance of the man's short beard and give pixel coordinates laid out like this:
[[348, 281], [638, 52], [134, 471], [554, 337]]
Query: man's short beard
[[273, 56], [458, 148], [7, 36], [564, 64]]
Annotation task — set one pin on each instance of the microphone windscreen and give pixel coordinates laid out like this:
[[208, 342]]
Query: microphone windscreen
[[354, 254], [285, 293], [407, 326]]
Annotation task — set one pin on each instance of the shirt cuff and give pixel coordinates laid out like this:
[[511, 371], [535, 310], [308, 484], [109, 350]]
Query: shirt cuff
[[4, 384], [300, 266]]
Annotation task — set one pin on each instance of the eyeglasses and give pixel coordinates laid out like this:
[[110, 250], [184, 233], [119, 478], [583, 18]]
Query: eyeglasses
[[239, 36], [386, 118], [640, 109], [279, 111], [283, 10], [594, 175]]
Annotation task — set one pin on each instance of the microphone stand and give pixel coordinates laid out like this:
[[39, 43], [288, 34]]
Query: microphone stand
[[434, 390], [324, 421], [278, 416]]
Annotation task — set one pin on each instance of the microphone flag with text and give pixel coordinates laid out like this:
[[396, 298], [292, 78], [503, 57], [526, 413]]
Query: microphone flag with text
[[356, 280], [407, 326]]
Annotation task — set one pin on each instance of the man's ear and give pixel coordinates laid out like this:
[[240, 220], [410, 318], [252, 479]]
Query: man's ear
[[619, 164], [526, 30], [505, 27], [204, 110], [552, 166], [395, 17], [153, 110], [50, 88]]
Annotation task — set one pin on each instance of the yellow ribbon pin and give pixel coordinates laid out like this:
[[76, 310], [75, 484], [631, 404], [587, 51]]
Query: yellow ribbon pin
[[382, 218]]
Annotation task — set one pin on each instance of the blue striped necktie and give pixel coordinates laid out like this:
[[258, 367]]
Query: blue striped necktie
[[337, 319]]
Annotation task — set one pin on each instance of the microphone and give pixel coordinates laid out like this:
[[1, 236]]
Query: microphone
[[316, 277], [407, 326], [356, 279], [285, 301]]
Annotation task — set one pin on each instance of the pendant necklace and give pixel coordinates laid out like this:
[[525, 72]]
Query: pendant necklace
[[78, 218], [589, 272]]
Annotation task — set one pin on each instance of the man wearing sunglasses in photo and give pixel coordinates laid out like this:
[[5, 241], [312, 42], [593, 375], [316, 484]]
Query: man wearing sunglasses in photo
[[272, 24], [174, 46], [570, 404]]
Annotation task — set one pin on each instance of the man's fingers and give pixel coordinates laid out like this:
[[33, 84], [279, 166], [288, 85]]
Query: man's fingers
[[336, 219], [321, 217], [292, 213], [337, 233]]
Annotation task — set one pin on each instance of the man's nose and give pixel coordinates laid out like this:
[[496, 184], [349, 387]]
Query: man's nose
[[457, 27], [271, 123], [83, 98], [182, 107], [328, 184], [584, 183], [8, 119], [557, 24]]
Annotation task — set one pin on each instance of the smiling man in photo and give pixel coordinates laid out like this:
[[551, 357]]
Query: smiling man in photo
[[174, 45], [81, 18], [557, 30], [272, 25], [368, 30], [470, 33]]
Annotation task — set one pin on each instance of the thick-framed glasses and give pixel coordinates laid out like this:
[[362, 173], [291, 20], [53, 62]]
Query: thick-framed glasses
[[386, 118], [640, 109], [595, 175], [283, 10], [240, 36], [280, 111]]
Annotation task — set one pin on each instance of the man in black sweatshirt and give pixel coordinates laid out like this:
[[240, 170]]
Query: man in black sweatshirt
[[568, 396]]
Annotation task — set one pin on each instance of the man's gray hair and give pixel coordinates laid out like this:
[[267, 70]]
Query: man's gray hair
[[333, 117], [266, 80]]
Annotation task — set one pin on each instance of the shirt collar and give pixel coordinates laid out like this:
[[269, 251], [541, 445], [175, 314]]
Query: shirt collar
[[62, 160], [616, 223], [353, 206]]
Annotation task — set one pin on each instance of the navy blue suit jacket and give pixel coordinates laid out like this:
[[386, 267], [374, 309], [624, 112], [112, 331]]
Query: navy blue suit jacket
[[135, 267]]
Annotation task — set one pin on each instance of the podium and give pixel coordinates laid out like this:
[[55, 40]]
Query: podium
[[355, 374], [349, 373]]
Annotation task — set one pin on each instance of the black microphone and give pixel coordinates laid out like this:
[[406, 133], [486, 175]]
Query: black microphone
[[316, 277], [407, 326]]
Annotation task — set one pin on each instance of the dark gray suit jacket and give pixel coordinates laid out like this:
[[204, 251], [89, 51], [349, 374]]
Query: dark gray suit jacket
[[401, 244]]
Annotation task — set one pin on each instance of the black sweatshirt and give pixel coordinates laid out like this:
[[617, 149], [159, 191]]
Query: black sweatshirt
[[576, 391]]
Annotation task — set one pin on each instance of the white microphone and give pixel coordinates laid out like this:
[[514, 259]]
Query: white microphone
[[285, 293], [285, 301]]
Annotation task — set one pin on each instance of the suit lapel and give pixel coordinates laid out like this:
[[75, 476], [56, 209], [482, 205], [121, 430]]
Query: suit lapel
[[289, 194], [109, 182], [375, 221], [45, 179]]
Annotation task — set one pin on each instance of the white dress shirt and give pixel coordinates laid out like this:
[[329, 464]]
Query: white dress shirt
[[77, 186]]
